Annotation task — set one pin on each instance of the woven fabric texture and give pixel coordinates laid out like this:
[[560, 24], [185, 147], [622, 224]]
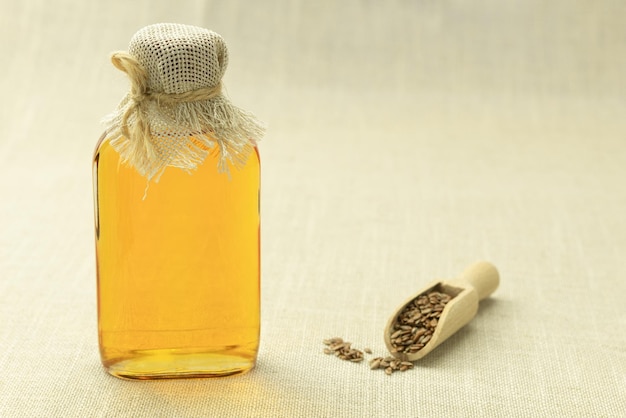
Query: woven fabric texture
[[406, 140], [175, 111], [180, 58]]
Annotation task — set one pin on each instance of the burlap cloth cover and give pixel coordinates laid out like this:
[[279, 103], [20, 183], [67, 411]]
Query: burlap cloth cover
[[176, 110]]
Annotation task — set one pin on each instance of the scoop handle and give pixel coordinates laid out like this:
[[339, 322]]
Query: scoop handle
[[483, 277]]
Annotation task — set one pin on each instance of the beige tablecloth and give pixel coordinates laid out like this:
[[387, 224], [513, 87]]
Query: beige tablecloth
[[406, 140]]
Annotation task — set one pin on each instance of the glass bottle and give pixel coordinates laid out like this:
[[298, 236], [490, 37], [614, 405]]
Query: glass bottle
[[178, 266]]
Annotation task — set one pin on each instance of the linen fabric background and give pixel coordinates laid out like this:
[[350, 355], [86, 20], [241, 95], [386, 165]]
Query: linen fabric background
[[407, 139]]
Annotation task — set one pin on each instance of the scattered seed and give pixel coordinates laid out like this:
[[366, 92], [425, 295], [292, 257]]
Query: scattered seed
[[375, 363], [344, 351]]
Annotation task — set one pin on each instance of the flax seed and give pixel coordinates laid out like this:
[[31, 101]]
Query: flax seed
[[375, 363], [416, 323]]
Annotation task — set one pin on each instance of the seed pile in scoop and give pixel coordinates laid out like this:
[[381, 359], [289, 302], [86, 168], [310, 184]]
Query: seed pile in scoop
[[416, 323]]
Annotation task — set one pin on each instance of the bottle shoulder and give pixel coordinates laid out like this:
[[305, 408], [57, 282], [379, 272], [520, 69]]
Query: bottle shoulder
[[101, 142], [105, 150]]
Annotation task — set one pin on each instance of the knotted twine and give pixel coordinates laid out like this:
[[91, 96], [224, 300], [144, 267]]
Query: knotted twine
[[175, 111]]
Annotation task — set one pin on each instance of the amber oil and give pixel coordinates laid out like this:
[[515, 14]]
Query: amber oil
[[178, 267]]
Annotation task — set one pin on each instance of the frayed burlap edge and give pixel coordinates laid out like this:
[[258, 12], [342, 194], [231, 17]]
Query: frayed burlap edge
[[192, 130]]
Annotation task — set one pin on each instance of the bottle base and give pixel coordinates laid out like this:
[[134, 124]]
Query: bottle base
[[174, 364]]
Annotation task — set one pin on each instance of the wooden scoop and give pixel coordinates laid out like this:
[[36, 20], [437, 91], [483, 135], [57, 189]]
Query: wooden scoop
[[476, 283]]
